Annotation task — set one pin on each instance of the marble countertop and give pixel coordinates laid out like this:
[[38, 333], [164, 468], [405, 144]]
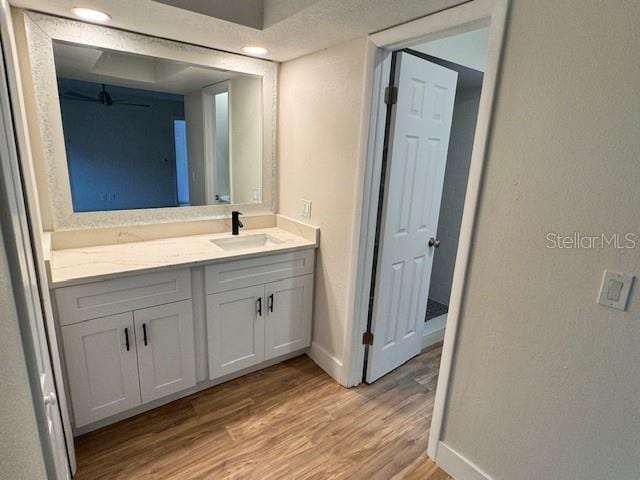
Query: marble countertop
[[80, 265]]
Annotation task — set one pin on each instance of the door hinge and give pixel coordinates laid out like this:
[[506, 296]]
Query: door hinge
[[391, 95], [367, 338]]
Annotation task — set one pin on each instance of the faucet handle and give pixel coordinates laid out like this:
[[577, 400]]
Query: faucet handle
[[236, 224]]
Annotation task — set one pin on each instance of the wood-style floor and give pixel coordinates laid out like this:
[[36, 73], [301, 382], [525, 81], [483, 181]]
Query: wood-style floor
[[289, 421]]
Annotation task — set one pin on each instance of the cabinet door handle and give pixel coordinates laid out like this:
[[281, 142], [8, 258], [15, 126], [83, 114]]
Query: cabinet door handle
[[126, 338], [259, 306], [144, 333], [270, 303]]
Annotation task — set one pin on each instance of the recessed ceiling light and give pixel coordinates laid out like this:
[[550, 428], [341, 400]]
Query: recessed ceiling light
[[255, 50], [91, 15]]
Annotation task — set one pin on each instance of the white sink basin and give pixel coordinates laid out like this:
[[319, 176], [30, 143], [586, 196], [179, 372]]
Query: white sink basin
[[242, 242]]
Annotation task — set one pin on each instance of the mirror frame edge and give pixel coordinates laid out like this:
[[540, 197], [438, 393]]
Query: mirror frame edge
[[42, 30]]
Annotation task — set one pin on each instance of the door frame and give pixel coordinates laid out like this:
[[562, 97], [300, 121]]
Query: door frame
[[209, 125], [455, 20], [29, 291], [24, 181]]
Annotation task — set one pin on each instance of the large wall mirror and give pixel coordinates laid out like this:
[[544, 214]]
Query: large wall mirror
[[135, 128], [144, 132]]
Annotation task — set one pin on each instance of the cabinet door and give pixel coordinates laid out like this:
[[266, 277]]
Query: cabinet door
[[166, 357], [235, 330], [103, 371], [289, 312]]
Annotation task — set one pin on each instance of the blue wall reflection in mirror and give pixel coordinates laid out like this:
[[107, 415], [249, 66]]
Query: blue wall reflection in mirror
[[126, 149]]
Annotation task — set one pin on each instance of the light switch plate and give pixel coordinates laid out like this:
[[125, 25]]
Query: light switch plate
[[615, 288]]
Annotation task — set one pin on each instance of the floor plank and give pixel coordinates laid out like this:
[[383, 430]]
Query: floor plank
[[289, 421]]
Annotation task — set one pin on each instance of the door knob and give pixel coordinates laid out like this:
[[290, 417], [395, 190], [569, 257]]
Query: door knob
[[50, 399], [434, 242]]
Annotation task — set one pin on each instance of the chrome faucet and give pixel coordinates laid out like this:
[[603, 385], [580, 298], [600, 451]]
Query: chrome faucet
[[236, 224]]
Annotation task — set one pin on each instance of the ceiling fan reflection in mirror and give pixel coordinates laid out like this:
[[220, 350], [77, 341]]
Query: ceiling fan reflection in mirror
[[103, 97]]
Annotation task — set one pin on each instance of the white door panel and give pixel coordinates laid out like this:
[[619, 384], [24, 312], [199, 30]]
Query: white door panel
[[165, 344], [288, 315], [416, 161], [235, 330], [103, 368]]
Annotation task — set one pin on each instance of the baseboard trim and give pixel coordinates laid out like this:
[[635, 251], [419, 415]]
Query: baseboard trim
[[326, 361], [437, 336], [456, 465]]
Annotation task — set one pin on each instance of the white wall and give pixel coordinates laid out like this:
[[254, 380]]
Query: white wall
[[318, 140], [20, 454], [463, 127], [37, 154], [120, 157], [245, 140], [193, 115], [546, 383], [246, 137], [468, 49]]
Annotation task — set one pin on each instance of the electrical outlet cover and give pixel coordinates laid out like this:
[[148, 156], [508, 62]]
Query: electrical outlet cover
[[306, 208]]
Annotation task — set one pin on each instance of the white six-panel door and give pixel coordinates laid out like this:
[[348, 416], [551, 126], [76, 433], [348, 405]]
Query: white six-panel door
[[102, 365], [235, 330], [416, 160], [165, 344], [288, 315]]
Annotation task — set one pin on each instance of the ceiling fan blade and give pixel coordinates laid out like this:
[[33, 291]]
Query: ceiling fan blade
[[123, 102], [79, 95], [78, 99]]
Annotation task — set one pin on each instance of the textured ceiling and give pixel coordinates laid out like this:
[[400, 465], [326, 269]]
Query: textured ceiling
[[249, 13], [316, 26], [259, 14]]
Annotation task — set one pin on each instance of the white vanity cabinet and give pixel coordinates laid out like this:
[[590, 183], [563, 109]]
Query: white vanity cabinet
[[129, 341], [102, 367], [289, 305], [134, 355], [235, 330], [166, 359], [251, 319]]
